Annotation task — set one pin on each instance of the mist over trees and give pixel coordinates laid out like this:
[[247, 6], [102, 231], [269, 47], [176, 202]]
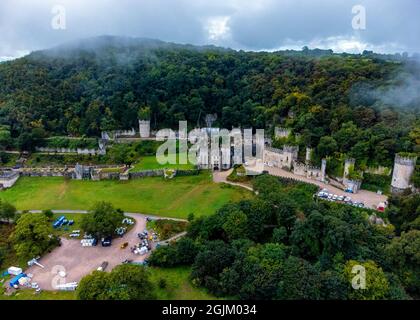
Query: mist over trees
[[337, 103]]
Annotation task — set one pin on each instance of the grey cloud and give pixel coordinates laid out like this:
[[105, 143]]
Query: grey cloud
[[392, 25]]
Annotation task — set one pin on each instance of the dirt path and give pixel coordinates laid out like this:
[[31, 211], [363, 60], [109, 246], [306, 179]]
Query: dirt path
[[126, 213], [221, 177]]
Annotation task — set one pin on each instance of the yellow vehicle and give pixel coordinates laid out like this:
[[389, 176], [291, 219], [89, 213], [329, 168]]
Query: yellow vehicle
[[124, 245]]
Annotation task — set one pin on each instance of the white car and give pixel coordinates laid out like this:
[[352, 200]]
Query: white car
[[340, 198], [103, 266], [335, 197]]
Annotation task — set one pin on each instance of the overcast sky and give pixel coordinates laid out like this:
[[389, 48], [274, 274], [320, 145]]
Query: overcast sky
[[391, 25]]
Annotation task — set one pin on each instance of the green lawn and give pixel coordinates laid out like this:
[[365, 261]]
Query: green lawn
[[171, 198], [150, 163], [29, 294], [65, 231], [178, 287]]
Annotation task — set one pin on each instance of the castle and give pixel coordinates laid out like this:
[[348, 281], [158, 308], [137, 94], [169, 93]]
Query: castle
[[351, 185], [403, 170], [287, 158], [281, 158], [8, 179]]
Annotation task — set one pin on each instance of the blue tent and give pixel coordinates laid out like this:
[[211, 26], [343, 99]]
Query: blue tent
[[59, 222], [15, 280]]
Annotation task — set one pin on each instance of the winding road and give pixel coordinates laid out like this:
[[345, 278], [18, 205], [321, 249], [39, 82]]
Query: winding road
[[370, 199]]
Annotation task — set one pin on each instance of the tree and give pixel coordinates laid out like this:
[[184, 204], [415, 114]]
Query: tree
[[235, 224], [376, 282], [284, 209], [7, 211], [49, 214], [26, 142], [102, 220], [347, 136], [403, 255], [187, 250], [327, 146], [214, 257], [94, 286], [164, 257], [32, 236], [279, 235], [299, 281], [130, 282], [125, 282], [260, 271], [333, 286], [307, 236]]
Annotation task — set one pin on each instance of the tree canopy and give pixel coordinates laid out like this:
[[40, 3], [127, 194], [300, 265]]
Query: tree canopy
[[102, 220]]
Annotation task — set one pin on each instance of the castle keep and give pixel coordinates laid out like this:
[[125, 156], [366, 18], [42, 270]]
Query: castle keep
[[403, 170]]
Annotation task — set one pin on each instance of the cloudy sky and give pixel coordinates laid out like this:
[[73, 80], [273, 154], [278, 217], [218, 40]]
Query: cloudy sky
[[390, 25]]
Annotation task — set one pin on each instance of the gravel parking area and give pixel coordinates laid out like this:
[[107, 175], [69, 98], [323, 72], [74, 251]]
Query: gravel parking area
[[79, 261], [368, 198]]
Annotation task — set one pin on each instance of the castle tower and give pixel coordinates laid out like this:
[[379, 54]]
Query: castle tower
[[308, 155], [291, 155], [403, 170], [348, 163], [323, 169], [144, 128]]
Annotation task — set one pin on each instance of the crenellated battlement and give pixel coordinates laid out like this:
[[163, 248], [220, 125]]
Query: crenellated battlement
[[291, 149], [406, 161], [350, 161], [281, 132], [274, 150]]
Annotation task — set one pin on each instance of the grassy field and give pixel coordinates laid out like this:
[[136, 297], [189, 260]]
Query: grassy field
[[150, 163], [171, 198], [178, 287], [44, 295]]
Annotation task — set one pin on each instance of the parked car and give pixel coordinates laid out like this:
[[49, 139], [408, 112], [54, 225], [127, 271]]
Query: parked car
[[124, 245], [103, 266], [106, 242]]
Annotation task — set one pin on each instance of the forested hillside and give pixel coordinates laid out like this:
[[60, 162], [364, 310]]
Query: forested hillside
[[359, 105]]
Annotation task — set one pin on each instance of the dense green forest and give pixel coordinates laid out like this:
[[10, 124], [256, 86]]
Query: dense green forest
[[358, 105], [285, 245]]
